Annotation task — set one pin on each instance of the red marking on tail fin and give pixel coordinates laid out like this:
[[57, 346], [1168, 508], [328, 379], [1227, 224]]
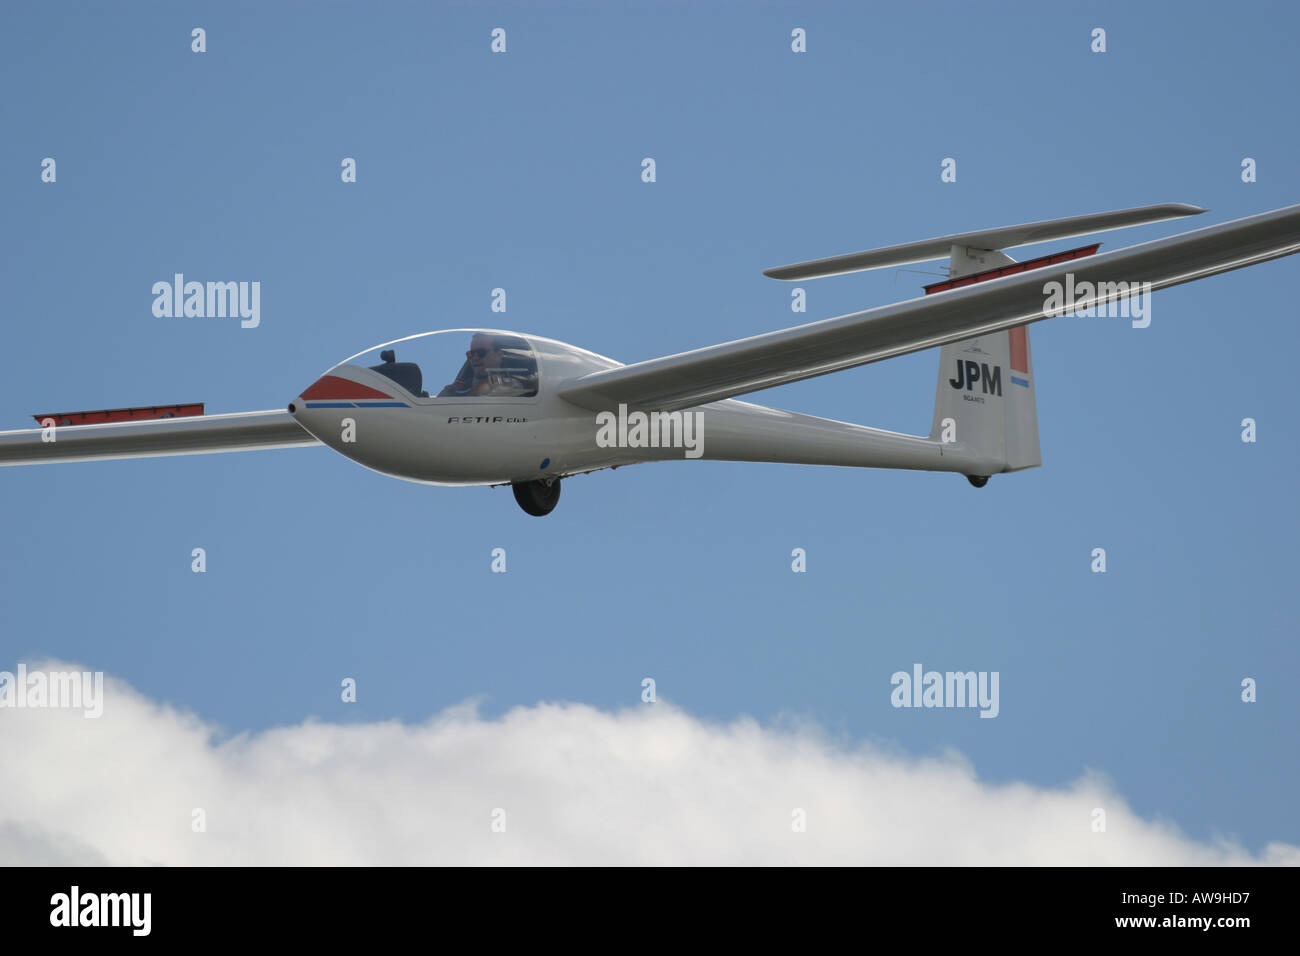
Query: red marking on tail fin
[[1020, 349]]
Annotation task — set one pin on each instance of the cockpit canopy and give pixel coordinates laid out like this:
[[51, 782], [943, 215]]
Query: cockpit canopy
[[461, 363]]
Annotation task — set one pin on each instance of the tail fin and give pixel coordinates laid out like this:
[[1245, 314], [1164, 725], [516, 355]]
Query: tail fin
[[985, 394], [985, 399]]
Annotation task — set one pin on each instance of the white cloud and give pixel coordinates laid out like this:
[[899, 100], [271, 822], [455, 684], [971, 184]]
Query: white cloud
[[648, 785]]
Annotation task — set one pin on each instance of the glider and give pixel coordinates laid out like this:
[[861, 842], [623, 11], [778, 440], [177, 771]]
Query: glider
[[528, 411]]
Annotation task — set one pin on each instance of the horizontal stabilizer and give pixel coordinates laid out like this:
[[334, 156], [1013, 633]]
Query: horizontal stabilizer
[[1006, 237]]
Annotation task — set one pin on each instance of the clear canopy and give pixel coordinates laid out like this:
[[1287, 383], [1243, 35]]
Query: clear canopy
[[462, 363]]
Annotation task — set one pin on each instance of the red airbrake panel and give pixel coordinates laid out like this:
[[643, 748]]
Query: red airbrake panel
[[1012, 268], [143, 413]]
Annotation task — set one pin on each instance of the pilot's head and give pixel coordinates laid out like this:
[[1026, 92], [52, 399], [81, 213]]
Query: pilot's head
[[483, 354]]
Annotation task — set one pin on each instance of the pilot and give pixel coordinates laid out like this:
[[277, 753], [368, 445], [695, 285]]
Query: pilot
[[485, 357], [473, 377], [483, 374]]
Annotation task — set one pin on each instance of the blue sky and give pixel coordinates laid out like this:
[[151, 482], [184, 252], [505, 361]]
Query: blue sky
[[522, 171]]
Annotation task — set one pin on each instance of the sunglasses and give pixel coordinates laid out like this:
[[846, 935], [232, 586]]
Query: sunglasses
[[479, 353]]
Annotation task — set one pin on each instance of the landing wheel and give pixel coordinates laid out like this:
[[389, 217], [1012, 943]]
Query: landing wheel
[[979, 481], [537, 497]]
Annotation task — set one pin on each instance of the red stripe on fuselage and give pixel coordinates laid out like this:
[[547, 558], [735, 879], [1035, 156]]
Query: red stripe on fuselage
[[331, 386]]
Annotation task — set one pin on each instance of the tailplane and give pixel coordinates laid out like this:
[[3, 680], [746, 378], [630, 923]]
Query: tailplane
[[984, 402]]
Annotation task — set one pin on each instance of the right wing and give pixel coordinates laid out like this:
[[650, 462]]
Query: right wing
[[762, 361], [196, 435]]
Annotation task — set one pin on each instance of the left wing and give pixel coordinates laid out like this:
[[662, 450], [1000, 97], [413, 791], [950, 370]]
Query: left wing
[[200, 434], [763, 361]]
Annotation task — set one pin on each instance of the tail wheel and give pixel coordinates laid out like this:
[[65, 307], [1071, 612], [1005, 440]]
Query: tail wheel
[[979, 481], [538, 498]]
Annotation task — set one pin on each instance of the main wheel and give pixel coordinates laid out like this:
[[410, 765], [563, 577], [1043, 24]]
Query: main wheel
[[979, 481], [537, 497]]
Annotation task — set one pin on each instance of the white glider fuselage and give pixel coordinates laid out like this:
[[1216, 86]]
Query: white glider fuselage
[[371, 418]]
